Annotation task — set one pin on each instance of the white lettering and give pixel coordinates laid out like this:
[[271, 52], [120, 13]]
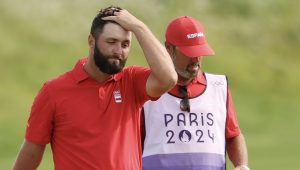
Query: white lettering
[[194, 35]]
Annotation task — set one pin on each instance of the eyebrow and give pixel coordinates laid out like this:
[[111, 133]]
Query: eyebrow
[[116, 39]]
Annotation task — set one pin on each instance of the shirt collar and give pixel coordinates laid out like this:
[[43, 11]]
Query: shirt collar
[[80, 74], [200, 78], [193, 86]]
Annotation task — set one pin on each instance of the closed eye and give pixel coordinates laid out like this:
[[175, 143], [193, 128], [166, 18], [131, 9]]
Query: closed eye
[[125, 45], [111, 42]]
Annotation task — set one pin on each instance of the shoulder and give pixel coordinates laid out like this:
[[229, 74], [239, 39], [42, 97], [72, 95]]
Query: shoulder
[[210, 76], [216, 80], [136, 69], [133, 71], [214, 75], [62, 80]]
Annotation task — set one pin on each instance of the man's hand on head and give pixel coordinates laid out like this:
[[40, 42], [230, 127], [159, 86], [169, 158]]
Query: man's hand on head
[[125, 19]]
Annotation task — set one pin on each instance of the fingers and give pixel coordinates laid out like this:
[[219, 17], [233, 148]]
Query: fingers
[[109, 18], [114, 15], [111, 11], [125, 19]]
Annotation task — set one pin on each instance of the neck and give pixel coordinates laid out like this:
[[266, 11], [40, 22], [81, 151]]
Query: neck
[[94, 72]]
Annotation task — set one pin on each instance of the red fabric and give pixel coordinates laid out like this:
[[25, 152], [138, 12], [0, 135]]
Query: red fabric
[[188, 35], [197, 87], [85, 122]]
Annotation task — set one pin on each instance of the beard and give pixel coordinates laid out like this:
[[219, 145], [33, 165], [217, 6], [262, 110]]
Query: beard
[[188, 73], [104, 63]]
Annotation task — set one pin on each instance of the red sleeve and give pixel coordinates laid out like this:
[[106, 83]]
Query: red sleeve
[[232, 127], [40, 122], [139, 77]]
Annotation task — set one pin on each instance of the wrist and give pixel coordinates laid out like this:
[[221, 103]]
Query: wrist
[[139, 28]]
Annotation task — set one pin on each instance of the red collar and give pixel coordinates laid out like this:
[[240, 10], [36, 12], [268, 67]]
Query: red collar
[[194, 88], [80, 74], [199, 79]]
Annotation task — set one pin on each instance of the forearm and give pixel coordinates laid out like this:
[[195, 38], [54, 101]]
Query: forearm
[[156, 55], [237, 150], [29, 156]]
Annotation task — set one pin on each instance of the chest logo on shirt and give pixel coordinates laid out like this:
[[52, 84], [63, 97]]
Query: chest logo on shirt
[[117, 96], [217, 83], [185, 136], [190, 128]]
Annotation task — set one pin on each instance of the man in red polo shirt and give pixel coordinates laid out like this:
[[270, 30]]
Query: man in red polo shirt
[[194, 124], [91, 114]]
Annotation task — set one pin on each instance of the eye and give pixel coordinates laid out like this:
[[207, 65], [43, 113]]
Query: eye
[[111, 42], [125, 44]]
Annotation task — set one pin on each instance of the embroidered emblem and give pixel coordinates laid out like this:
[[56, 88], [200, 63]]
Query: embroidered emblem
[[117, 96], [218, 83]]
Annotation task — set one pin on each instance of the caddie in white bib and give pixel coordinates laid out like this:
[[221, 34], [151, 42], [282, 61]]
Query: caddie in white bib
[[181, 140]]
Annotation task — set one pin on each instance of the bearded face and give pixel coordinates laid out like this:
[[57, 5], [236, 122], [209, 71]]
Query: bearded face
[[190, 71], [187, 68], [111, 48], [109, 64]]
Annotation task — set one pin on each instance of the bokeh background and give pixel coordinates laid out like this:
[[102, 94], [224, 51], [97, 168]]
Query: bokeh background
[[256, 43]]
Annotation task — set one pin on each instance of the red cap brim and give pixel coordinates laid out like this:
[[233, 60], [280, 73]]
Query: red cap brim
[[197, 50]]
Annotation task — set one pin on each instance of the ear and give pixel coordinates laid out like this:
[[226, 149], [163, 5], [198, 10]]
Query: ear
[[169, 48], [91, 41]]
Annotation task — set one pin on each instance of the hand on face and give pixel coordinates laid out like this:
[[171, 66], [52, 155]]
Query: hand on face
[[125, 19]]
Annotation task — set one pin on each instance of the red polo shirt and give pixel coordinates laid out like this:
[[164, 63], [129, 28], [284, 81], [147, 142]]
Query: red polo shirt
[[197, 87], [91, 125]]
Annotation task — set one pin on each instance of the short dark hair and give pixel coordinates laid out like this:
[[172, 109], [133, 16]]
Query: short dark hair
[[98, 23]]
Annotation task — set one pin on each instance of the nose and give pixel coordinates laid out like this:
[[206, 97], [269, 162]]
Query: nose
[[117, 50]]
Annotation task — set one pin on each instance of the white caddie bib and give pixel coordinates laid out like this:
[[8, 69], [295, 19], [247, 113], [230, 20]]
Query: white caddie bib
[[177, 139]]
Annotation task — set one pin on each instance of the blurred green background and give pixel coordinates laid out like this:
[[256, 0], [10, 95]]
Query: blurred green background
[[256, 43]]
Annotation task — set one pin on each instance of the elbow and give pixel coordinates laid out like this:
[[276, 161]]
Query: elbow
[[173, 80], [158, 85], [170, 81]]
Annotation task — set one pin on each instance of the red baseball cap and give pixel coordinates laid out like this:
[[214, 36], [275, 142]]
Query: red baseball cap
[[188, 35]]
